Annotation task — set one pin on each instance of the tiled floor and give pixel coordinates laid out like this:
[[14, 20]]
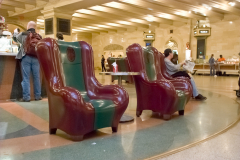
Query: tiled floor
[[24, 129], [225, 146]]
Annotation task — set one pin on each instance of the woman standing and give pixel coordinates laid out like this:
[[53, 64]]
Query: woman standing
[[103, 63], [212, 65]]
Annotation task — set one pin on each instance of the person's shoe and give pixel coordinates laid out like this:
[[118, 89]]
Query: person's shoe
[[200, 98], [38, 99], [23, 100]]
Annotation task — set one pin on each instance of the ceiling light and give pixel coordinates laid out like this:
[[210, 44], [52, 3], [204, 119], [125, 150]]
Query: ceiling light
[[40, 20], [112, 4], [102, 26], [98, 8], [231, 3], [84, 11], [189, 12], [230, 22], [93, 27], [177, 13], [76, 30], [123, 22], [112, 24], [149, 31], [150, 9], [136, 20]]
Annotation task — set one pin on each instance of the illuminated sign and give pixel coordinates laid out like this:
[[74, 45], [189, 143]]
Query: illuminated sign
[[149, 36], [204, 31]]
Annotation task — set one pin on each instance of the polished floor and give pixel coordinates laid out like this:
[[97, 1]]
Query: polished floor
[[24, 128]]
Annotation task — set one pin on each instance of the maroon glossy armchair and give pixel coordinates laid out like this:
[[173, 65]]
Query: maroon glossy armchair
[[158, 95], [179, 83], [78, 103]]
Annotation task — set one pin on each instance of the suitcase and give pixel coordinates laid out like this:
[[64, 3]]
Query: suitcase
[[219, 73]]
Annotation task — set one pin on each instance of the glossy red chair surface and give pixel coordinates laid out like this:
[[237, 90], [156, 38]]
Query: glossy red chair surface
[[182, 84], [78, 103], [158, 95]]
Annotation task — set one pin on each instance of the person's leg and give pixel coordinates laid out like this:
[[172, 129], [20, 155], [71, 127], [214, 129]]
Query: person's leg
[[36, 78], [214, 73], [211, 70], [195, 91], [102, 67], [26, 69]]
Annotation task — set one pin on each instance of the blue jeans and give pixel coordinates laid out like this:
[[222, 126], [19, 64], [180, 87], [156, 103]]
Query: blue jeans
[[30, 64], [212, 68], [195, 91]]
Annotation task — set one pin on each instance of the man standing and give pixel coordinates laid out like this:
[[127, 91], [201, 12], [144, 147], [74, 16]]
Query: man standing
[[221, 59], [29, 64]]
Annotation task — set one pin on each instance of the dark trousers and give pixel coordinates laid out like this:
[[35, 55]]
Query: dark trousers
[[103, 67]]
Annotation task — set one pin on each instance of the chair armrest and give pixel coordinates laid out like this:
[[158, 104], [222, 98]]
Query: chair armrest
[[115, 93]]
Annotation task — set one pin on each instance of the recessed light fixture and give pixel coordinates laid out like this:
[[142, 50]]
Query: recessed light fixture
[[150, 9], [149, 31], [231, 3], [230, 22]]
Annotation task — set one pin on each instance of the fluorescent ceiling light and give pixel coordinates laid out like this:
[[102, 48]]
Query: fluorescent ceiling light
[[40, 20], [124, 22], [98, 8], [102, 26], [84, 11], [112, 24], [93, 27], [231, 3]]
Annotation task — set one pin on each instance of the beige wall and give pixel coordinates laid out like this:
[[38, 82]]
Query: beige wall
[[224, 39], [162, 35]]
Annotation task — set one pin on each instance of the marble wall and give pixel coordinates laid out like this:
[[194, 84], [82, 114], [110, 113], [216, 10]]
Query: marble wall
[[162, 35], [224, 40]]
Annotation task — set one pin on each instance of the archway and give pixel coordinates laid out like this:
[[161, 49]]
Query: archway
[[113, 50], [172, 44]]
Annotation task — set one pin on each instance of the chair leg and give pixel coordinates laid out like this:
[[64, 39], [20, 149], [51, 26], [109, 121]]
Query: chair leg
[[160, 114], [114, 129], [139, 113], [76, 138], [52, 130], [166, 117], [181, 112]]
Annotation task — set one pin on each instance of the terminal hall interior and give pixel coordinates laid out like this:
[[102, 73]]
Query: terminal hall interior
[[119, 79]]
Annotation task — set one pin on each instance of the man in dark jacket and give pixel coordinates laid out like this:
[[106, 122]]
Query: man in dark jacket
[[28, 64]]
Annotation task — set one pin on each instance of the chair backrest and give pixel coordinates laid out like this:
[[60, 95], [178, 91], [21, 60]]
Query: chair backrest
[[152, 62], [149, 60], [71, 59], [135, 58]]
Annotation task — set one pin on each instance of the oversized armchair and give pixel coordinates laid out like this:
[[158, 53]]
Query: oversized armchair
[[158, 95], [123, 66], [152, 63], [78, 103]]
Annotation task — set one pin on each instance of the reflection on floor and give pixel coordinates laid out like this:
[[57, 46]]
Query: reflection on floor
[[24, 127]]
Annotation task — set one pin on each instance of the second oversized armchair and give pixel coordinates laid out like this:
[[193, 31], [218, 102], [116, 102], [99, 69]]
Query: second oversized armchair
[[78, 103], [152, 93], [153, 64]]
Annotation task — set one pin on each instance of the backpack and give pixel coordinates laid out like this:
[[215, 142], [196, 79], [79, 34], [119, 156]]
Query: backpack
[[30, 43]]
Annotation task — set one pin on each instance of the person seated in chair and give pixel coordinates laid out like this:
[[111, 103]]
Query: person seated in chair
[[173, 70]]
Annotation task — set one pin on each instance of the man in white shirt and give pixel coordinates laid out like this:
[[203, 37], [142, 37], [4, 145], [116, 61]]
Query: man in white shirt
[[173, 70]]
